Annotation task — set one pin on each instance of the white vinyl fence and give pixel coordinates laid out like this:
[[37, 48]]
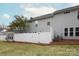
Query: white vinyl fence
[[2, 37], [39, 37], [42, 37]]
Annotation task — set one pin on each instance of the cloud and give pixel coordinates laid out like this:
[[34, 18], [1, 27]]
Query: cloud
[[31, 10], [74, 4], [28, 5], [6, 16]]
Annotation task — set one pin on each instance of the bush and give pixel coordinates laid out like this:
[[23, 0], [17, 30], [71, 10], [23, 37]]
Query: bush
[[58, 38]]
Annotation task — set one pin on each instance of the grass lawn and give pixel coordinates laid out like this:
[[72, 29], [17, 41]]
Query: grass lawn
[[22, 49]]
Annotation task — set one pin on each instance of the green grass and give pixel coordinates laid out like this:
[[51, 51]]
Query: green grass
[[20, 49]]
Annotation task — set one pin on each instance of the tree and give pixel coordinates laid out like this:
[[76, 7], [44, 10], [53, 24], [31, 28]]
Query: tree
[[19, 24]]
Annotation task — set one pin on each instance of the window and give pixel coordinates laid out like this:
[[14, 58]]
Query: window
[[36, 25], [66, 32], [77, 31], [48, 23], [78, 15], [71, 31]]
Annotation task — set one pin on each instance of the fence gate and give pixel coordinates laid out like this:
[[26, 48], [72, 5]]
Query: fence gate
[[10, 36]]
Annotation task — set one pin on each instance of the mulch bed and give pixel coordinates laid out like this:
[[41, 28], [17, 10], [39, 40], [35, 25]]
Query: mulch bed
[[66, 42], [59, 42]]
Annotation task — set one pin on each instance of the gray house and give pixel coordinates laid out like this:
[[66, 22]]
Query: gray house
[[63, 22]]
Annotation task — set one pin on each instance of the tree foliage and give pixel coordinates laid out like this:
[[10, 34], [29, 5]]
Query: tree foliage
[[20, 23]]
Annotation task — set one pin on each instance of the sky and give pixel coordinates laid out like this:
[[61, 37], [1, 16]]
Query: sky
[[9, 10]]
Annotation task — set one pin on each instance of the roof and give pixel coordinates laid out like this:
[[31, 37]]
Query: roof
[[54, 13]]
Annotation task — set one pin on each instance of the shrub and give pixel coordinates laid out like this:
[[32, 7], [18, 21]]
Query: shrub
[[58, 38]]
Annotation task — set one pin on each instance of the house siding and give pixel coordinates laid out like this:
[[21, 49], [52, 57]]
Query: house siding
[[58, 23], [42, 26], [62, 21]]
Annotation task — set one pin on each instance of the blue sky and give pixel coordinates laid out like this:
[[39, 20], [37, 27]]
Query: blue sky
[[9, 10]]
